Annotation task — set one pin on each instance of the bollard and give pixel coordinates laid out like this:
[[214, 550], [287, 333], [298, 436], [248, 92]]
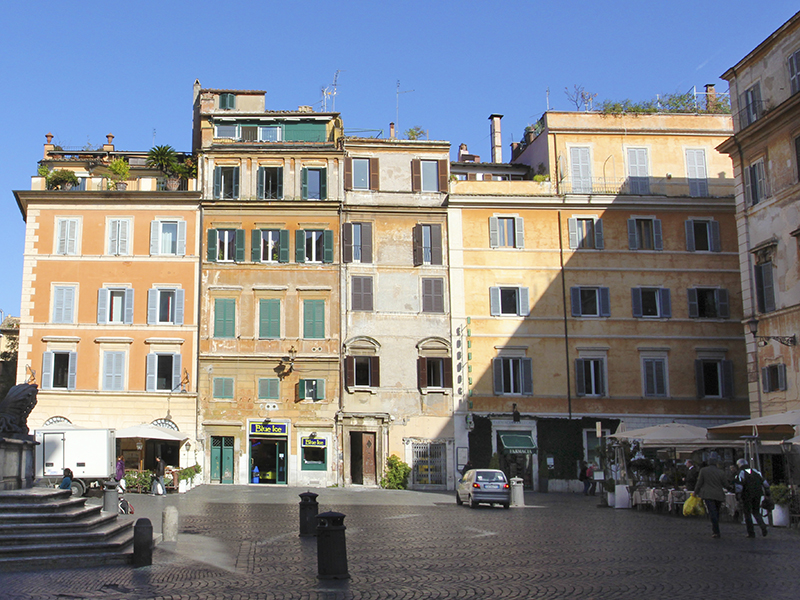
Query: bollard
[[143, 543], [309, 507], [169, 524], [331, 547], [110, 496], [517, 496]]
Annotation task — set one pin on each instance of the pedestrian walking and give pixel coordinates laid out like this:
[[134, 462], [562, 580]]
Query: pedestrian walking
[[590, 479], [754, 486], [158, 483], [711, 482], [692, 472], [120, 473]]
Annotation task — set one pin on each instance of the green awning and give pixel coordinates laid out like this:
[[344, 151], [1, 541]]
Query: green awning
[[517, 443]]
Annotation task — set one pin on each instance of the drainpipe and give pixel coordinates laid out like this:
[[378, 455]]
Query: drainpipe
[[564, 307]]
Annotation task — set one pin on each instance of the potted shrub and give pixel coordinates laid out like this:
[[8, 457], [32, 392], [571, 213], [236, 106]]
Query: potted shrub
[[62, 179], [120, 173], [187, 169], [781, 497], [610, 486], [165, 159]]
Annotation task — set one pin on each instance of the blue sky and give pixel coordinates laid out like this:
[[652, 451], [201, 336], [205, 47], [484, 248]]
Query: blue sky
[[82, 70]]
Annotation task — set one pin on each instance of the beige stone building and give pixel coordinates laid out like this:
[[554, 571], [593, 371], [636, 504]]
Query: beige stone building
[[107, 325], [765, 150], [603, 290]]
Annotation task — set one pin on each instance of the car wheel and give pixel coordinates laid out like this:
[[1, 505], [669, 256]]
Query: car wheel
[[459, 501], [77, 488], [472, 503]]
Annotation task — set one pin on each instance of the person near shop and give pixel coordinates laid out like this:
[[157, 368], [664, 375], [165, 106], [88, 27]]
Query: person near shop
[[66, 482], [692, 472], [583, 478], [711, 482], [754, 487], [159, 489]]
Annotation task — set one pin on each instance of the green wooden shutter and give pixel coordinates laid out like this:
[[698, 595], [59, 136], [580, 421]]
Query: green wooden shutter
[[304, 181], [323, 184], [217, 182], [239, 242], [255, 245], [283, 256], [269, 318], [260, 183], [327, 240], [300, 246], [235, 187], [213, 242]]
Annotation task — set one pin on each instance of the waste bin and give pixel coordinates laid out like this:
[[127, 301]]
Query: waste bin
[[517, 496], [331, 546], [309, 507]]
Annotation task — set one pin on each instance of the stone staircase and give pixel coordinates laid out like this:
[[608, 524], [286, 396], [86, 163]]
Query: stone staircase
[[46, 528]]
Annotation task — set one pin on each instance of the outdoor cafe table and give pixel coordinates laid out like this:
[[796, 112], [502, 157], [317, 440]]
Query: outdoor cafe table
[[677, 498]]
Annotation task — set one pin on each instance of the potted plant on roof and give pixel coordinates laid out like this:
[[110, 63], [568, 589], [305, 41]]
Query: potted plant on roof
[[187, 169], [165, 159], [62, 179], [120, 172]]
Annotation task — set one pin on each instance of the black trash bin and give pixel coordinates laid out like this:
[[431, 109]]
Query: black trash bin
[[331, 546]]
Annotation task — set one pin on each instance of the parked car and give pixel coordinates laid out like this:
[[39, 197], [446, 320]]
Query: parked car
[[483, 486]]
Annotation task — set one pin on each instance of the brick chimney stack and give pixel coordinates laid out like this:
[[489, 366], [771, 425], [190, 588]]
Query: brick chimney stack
[[711, 97], [496, 138]]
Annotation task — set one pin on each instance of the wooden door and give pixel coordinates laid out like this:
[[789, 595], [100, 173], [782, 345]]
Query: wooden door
[[368, 455]]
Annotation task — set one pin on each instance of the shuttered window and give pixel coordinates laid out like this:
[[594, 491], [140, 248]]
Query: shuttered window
[[224, 318], [226, 183], [512, 376], [645, 234], [651, 302], [115, 306], [433, 295], [714, 378], [638, 174], [794, 71], [506, 232], [654, 373], [590, 301], [357, 242], [269, 314], [696, 172], [314, 319], [113, 371], [67, 236], [765, 288], [118, 235], [223, 388], [63, 304], [59, 370], [270, 183], [427, 240], [227, 101], [314, 182], [163, 372], [362, 293], [708, 303], [702, 236], [581, 170], [585, 232], [167, 238], [773, 378], [269, 388], [756, 187], [311, 389], [509, 301], [165, 306], [362, 371]]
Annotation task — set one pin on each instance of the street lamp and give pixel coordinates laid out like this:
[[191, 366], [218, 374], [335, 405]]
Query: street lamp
[[763, 340]]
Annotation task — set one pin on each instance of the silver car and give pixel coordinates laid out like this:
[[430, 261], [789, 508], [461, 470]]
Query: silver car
[[483, 486]]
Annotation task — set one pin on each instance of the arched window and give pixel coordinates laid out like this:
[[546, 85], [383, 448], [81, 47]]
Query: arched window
[[166, 424], [58, 420]]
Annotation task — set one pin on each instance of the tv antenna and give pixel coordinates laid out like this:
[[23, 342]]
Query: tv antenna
[[330, 91], [397, 109]]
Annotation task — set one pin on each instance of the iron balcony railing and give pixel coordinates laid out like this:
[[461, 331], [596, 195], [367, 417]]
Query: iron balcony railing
[[649, 186]]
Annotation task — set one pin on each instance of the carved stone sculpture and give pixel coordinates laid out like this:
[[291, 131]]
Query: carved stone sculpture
[[16, 407]]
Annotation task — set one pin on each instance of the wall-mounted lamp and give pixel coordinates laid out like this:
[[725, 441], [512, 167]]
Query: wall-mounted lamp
[[312, 435], [287, 364], [139, 446], [188, 446], [763, 340]]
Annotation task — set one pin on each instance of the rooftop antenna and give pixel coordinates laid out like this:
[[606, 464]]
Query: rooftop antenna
[[330, 91], [548, 99], [154, 136], [397, 110]]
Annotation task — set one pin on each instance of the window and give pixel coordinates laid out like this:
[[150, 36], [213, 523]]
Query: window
[[756, 186], [225, 245], [165, 306], [113, 371], [163, 372], [270, 133], [167, 238], [708, 303], [361, 174], [428, 175], [638, 175], [644, 234], [357, 242], [506, 232], [315, 183], [224, 318], [427, 244], [314, 319], [749, 106], [512, 375], [67, 236], [270, 245], [581, 170], [702, 236], [362, 371], [773, 378], [269, 318], [794, 71], [226, 183], [269, 388], [509, 301], [590, 301], [311, 389], [223, 388], [696, 172], [59, 370], [654, 377], [312, 245], [118, 232], [115, 306], [765, 288], [270, 183], [434, 372], [362, 293], [433, 295], [714, 378], [314, 457], [585, 232], [590, 376], [63, 304], [227, 101], [651, 302], [227, 131]]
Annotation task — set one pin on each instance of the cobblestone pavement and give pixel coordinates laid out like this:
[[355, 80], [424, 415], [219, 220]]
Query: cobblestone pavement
[[241, 542]]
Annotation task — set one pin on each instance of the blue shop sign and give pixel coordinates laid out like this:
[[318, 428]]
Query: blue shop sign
[[315, 442], [260, 428]]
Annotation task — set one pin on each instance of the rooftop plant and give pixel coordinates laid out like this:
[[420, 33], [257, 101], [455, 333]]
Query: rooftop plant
[[120, 169], [163, 158]]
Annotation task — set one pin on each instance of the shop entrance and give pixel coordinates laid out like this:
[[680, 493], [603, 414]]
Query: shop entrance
[[362, 458], [267, 460], [221, 459]]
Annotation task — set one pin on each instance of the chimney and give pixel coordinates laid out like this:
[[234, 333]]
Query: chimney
[[462, 150], [496, 138], [109, 146], [711, 97], [48, 145], [391, 131]]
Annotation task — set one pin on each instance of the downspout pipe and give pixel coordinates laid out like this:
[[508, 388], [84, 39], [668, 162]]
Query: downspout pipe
[[564, 310]]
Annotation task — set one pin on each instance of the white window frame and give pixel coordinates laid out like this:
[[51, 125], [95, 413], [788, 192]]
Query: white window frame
[[315, 245], [153, 359], [119, 236], [653, 359], [521, 301], [226, 245], [637, 233], [429, 175], [506, 231], [512, 372], [362, 181], [177, 312], [67, 238], [579, 238], [106, 296], [599, 365], [270, 241], [157, 237], [794, 72], [756, 182], [712, 234], [773, 378], [48, 370]]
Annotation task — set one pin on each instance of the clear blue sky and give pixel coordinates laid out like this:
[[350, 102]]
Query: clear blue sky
[[82, 70]]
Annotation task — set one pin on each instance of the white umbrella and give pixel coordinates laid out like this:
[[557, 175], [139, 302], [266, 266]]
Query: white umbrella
[[151, 432], [668, 434], [785, 423]]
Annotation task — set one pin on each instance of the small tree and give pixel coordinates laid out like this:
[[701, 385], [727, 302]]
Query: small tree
[[163, 158], [416, 133], [397, 473]]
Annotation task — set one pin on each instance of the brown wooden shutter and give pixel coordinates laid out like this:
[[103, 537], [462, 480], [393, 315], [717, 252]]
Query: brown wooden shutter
[[366, 242], [348, 173], [416, 175], [347, 242], [349, 371], [375, 371], [422, 372], [374, 174], [443, 175], [436, 244], [447, 372], [417, 239]]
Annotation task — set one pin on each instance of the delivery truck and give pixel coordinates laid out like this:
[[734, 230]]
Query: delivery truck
[[89, 453]]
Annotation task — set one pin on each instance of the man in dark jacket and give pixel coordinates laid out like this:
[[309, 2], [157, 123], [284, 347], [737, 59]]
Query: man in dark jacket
[[754, 486], [159, 478], [692, 473], [710, 487]]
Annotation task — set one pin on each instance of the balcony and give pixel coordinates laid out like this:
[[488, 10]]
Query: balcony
[[650, 186], [104, 184]]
